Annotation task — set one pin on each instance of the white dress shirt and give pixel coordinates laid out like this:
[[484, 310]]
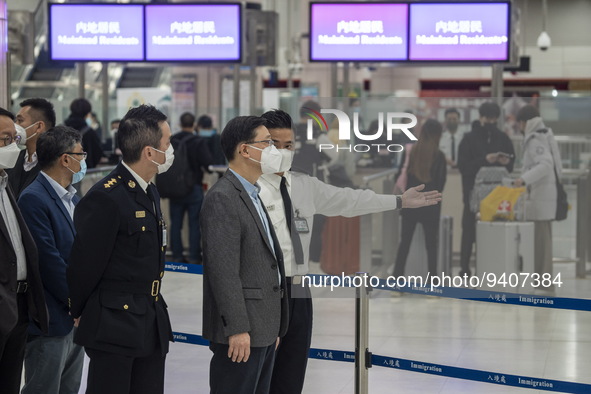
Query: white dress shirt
[[29, 165], [65, 195], [445, 142], [270, 196], [140, 181], [309, 196], [14, 230], [253, 191]]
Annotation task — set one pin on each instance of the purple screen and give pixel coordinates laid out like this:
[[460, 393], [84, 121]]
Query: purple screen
[[351, 32], [193, 32], [456, 32], [96, 32]]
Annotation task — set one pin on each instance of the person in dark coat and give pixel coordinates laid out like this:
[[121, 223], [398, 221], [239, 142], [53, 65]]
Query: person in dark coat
[[427, 165], [479, 148], [199, 158], [205, 130], [36, 116], [21, 291], [117, 264], [80, 119]]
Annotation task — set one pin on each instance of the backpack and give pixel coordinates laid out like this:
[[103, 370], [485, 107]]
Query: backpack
[[179, 180]]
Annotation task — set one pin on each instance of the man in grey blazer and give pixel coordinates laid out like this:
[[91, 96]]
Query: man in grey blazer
[[244, 301]]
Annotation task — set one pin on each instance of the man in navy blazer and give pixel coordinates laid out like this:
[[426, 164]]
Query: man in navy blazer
[[53, 362]]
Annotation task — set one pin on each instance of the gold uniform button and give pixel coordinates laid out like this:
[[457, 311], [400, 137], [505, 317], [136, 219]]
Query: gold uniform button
[[156, 298], [143, 228], [126, 307]]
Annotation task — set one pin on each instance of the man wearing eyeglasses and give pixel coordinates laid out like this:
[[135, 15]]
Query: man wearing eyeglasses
[[35, 117], [21, 290], [244, 299], [53, 363]]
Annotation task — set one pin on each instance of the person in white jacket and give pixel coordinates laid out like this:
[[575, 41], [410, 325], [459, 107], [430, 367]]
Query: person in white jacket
[[541, 161], [309, 196]]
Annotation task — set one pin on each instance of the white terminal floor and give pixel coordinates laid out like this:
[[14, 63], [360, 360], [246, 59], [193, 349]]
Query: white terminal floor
[[528, 341]]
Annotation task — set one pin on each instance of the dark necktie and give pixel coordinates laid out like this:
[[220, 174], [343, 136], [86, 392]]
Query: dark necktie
[[298, 251], [453, 148], [161, 226], [150, 194]]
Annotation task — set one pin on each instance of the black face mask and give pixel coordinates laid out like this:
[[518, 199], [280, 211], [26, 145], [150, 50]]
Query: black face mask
[[451, 126]]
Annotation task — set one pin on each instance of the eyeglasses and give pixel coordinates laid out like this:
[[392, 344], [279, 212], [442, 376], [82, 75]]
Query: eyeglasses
[[9, 140], [268, 142], [83, 154]]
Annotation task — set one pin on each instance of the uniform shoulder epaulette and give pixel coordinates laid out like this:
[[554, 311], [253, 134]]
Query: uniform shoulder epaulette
[[111, 183]]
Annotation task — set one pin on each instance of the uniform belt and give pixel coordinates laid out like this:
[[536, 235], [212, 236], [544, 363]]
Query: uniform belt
[[21, 286], [152, 288]]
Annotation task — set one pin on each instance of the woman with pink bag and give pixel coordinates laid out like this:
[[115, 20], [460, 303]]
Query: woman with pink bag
[[423, 163]]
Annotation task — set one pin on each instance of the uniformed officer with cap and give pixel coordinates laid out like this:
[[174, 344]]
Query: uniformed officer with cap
[[117, 264]]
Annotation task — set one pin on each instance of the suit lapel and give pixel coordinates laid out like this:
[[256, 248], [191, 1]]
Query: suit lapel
[[255, 215], [4, 230], [3, 225], [26, 238], [60, 204], [250, 205]]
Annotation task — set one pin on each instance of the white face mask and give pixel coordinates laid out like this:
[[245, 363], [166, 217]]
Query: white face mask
[[169, 153], [286, 159], [270, 159], [22, 131], [9, 155]]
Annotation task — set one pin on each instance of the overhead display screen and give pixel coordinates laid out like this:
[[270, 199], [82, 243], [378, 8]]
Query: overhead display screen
[[96, 32], [193, 32], [358, 32], [459, 32]]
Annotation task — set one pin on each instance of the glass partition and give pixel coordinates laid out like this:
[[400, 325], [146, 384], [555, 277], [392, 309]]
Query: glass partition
[[440, 323]]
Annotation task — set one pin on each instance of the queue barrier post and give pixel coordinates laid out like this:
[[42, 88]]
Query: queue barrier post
[[362, 354]]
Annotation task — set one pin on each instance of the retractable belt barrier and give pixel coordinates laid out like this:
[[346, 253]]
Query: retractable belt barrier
[[495, 297], [502, 379]]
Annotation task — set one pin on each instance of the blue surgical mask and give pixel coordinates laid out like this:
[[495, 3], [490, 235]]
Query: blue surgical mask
[[88, 121], [206, 133], [78, 176]]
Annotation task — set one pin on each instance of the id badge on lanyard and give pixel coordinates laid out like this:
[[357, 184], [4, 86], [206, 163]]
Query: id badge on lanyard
[[164, 239], [301, 224]]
